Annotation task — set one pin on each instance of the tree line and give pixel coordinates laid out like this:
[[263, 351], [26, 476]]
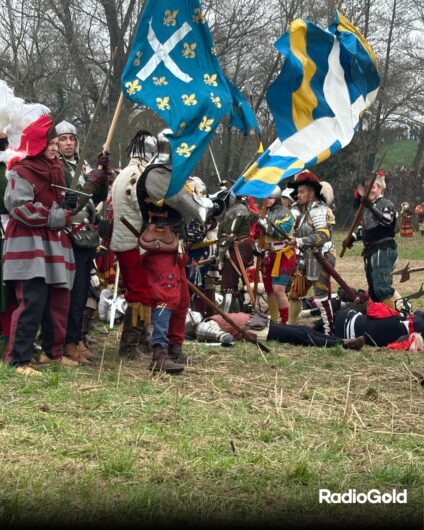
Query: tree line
[[58, 52]]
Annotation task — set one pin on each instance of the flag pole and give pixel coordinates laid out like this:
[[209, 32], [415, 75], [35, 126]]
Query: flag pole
[[78, 169], [214, 163]]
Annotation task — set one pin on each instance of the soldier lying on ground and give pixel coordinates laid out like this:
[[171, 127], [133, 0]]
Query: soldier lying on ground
[[260, 327]]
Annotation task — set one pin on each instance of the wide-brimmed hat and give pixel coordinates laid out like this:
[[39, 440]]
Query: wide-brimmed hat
[[306, 178]]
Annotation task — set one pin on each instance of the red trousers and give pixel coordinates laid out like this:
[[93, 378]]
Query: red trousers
[[133, 275]]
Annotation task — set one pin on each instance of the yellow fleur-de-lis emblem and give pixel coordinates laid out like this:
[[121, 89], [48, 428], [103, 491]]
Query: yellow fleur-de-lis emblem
[[137, 60], [185, 150], [158, 81], [213, 51], [188, 51], [170, 18], [163, 103], [199, 16], [205, 124], [133, 87], [210, 79], [216, 100], [189, 99]]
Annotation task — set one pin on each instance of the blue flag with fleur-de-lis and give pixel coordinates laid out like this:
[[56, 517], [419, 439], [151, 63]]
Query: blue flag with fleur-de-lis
[[173, 69]]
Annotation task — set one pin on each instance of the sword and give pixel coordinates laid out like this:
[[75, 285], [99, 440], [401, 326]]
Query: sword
[[69, 189]]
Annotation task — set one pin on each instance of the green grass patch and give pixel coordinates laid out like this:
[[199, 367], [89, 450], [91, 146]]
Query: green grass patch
[[240, 437]]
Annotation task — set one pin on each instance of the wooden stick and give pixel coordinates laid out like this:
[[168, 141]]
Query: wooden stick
[[115, 118], [259, 259], [78, 169], [244, 273]]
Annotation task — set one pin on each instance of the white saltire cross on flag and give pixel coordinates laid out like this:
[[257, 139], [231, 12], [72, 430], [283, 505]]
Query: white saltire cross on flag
[[162, 54]]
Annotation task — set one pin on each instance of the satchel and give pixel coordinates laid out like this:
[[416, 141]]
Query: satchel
[[299, 286], [84, 236], [160, 238]]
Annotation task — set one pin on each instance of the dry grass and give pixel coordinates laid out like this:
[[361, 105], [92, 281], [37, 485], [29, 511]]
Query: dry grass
[[237, 438]]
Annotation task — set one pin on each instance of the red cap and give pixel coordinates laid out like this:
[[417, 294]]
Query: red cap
[[35, 137]]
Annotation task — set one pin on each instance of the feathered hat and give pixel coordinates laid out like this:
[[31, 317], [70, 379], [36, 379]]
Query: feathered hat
[[327, 193], [35, 138], [307, 178], [16, 116]]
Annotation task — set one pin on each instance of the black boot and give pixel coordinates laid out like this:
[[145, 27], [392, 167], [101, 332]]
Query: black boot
[[87, 320], [161, 362], [177, 355], [128, 345]]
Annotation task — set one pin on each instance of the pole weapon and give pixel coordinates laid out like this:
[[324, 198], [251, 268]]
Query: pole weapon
[[83, 153], [207, 301]]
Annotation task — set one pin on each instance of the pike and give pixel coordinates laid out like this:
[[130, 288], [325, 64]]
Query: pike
[[360, 210], [358, 215], [207, 301], [244, 273], [405, 273], [78, 169], [259, 259]]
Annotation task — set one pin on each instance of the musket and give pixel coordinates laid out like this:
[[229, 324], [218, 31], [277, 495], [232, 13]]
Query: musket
[[225, 316], [405, 273], [334, 274]]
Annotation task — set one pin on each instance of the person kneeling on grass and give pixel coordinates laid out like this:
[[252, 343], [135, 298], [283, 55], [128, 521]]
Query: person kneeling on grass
[[260, 327]]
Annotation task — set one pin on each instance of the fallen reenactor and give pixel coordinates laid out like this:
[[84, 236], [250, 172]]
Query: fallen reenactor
[[261, 328], [381, 325]]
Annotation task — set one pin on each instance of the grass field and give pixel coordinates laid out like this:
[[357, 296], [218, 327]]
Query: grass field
[[397, 153], [240, 437]]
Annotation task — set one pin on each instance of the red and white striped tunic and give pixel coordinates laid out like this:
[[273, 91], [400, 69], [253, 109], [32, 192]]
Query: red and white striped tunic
[[36, 245]]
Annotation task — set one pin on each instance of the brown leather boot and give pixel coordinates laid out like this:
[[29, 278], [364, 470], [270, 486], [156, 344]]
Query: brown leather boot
[[72, 353], [177, 355], [62, 361], [131, 336], [354, 344], [82, 348], [161, 362]]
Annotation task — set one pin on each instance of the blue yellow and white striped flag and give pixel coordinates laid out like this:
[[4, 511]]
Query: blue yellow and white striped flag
[[173, 68], [329, 78]]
